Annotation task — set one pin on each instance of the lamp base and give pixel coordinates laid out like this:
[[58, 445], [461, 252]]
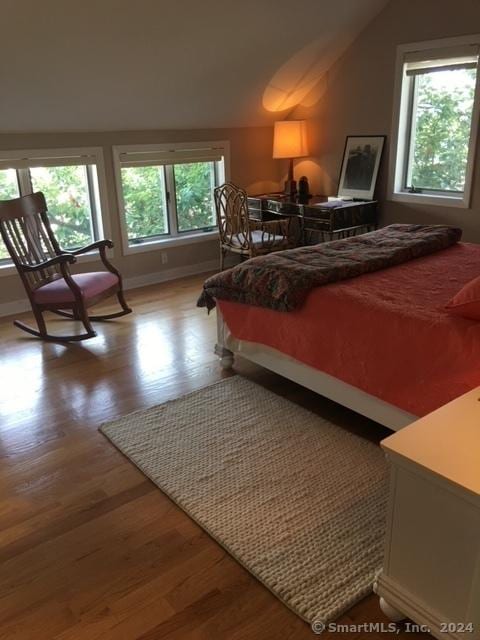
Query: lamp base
[[290, 188], [290, 184]]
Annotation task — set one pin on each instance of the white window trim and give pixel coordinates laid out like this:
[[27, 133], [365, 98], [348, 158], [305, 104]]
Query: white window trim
[[399, 124], [50, 155], [168, 241]]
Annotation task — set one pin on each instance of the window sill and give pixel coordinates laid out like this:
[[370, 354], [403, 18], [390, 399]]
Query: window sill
[[10, 270], [172, 241], [430, 199]]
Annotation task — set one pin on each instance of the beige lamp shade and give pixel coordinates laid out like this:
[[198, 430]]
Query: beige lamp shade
[[290, 139]]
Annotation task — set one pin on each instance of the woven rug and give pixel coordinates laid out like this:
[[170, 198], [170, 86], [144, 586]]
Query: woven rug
[[296, 500]]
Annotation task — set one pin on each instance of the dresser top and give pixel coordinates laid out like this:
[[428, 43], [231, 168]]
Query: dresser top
[[314, 202], [446, 442]]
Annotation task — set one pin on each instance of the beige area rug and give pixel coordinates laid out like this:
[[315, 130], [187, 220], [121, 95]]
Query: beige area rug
[[298, 501]]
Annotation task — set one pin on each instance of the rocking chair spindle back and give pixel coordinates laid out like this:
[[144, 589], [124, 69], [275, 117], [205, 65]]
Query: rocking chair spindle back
[[43, 269]]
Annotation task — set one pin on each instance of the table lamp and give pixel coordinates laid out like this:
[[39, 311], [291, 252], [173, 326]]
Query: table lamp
[[290, 141]]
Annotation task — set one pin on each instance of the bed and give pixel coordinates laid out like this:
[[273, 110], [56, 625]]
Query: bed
[[380, 343]]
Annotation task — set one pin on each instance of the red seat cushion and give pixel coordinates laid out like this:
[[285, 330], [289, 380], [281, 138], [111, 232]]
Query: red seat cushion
[[91, 285]]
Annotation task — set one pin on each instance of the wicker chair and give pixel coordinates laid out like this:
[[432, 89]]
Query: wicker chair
[[241, 234], [44, 269]]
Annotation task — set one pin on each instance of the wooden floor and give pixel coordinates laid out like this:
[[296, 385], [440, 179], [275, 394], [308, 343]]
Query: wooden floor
[[89, 548]]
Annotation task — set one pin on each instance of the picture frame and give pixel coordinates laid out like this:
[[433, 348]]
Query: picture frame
[[361, 161]]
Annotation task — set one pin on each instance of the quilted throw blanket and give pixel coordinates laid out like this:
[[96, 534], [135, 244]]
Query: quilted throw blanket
[[282, 280]]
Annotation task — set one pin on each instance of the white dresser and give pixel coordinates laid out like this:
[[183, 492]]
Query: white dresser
[[431, 571]]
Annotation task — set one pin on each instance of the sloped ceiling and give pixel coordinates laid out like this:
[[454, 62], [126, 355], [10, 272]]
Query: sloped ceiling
[[158, 64]]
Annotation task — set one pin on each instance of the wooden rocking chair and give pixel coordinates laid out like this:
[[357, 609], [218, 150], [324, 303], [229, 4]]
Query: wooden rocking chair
[[44, 269]]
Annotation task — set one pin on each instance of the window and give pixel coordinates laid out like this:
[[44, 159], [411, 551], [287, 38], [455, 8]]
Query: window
[[194, 184], [69, 180], [166, 192], [145, 202], [436, 122], [9, 188]]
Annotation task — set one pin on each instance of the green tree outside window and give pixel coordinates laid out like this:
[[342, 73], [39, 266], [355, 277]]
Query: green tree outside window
[[67, 195], [442, 129], [144, 201], [194, 184]]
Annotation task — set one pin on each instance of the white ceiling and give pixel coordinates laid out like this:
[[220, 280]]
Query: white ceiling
[[158, 64]]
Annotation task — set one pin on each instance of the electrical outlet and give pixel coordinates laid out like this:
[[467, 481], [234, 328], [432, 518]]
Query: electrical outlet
[[164, 257]]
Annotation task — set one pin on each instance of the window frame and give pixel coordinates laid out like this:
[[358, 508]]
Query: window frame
[[402, 131], [53, 158], [218, 178], [175, 237]]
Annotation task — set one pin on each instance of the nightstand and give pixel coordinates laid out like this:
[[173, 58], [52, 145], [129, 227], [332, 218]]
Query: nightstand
[[319, 220], [431, 570]]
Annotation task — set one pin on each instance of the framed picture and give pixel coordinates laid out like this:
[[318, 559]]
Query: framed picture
[[361, 160]]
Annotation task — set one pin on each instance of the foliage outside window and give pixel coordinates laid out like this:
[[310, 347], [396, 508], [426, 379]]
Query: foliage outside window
[[69, 203], [144, 196], [441, 124], [194, 184], [163, 196], [436, 124], [71, 193]]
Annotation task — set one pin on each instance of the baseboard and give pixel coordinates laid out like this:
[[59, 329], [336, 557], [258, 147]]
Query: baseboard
[[14, 307], [20, 306], [171, 274]]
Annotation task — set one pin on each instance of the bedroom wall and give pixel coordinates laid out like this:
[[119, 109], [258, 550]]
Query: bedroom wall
[[251, 165], [118, 65], [358, 99]]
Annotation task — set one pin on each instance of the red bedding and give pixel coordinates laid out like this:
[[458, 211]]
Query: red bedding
[[385, 332]]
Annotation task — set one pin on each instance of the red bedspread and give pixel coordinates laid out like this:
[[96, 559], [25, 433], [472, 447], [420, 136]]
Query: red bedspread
[[384, 332]]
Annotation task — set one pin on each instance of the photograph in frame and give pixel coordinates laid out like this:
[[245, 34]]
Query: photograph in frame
[[361, 161]]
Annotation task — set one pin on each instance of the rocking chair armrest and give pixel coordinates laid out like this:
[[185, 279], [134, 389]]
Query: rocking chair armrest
[[62, 258], [100, 244]]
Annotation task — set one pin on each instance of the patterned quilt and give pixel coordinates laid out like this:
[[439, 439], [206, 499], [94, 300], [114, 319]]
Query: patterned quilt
[[282, 280]]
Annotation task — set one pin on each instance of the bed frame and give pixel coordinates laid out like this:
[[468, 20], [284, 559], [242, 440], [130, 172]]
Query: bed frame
[[345, 394]]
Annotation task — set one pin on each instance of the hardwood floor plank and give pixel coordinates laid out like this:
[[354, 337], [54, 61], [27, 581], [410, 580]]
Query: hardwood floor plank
[[94, 505], [89, 548]]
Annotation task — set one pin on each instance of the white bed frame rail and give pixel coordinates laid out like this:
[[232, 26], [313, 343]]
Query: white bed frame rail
[[322, 383]]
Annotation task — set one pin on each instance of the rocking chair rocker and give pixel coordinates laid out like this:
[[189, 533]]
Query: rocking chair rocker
[[44, 269]]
